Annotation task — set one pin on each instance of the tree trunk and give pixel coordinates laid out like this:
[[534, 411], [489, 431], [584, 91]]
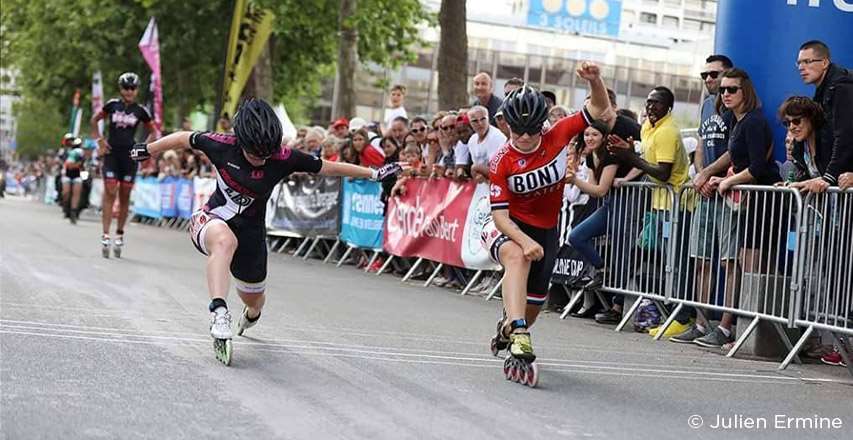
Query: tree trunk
[[260, 83], [344, 104], [452, 56]]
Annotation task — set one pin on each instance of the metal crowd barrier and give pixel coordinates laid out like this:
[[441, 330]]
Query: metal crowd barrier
[[741, 256], [636, 249], [825, 299]]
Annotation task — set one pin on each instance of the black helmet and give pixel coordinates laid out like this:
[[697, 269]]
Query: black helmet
[[257, 128], [128, 80], [525, 110]]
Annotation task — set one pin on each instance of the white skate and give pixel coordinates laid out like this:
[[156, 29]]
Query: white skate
[[243, 323], [118, 243], [105, 246], [220, 330]]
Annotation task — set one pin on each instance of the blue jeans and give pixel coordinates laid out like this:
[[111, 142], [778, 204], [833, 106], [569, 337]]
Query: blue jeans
[[582, 235]]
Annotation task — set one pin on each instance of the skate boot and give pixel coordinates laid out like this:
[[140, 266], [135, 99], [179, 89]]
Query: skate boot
[[220, 330], [105, 246], [500, 341], [244, 322], [118, 243], [72, 217], [518, 365]]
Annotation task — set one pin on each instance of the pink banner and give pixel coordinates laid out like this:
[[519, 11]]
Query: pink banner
[[440, 220], [149, 45]]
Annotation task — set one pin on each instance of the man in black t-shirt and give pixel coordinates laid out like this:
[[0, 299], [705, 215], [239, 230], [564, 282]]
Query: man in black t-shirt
[[123, 116]]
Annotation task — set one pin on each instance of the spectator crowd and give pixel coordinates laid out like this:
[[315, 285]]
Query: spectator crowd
[[735, 147]]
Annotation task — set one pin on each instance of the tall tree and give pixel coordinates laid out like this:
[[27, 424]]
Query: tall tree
[[452, 55], [57, 45], [307, 45], [344, 99]]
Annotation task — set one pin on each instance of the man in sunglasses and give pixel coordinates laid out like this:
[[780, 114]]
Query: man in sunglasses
[[714, 134], [834, 93], [713, 130], [124, 115]]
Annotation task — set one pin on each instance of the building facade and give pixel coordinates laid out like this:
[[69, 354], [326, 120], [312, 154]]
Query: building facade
[[639, 43]]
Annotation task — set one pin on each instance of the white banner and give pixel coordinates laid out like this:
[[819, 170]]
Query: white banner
[[98, 102], [203, 188], [474, 255], [97, 193]]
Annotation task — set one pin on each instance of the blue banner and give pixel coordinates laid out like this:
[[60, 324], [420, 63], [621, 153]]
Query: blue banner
[[362, 213], [168, 191], [185, 198], [146, 197], [585, 17], [743, 34]]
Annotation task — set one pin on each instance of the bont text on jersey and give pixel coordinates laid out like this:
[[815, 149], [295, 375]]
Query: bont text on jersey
[[124, 120], [547, 175], [237, 197]]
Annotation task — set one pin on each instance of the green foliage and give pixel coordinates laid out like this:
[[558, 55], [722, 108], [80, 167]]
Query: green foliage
[[40, 126], [305, 42], [58, 44]]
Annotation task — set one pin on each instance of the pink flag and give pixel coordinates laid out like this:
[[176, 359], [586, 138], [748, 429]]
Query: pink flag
[[149, 45]]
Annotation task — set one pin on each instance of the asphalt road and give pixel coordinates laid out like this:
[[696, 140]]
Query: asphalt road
[[119, 349]]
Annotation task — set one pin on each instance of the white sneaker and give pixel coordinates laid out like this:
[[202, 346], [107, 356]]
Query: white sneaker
[[220, 325], [243, 323]]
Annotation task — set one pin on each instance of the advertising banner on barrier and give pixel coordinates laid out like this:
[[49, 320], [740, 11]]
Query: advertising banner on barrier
[[147, 200], [307, 206], [168, 191], [203, 188], [184, 198], [96, 194], [362, 213], [440, 220]]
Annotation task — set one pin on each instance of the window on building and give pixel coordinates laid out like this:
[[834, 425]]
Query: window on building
[[670, 22], [692, 25], [672, 3], [649, 18]]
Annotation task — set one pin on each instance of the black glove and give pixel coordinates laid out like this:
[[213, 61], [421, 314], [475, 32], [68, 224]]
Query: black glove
[[387, 171], [139, 152]]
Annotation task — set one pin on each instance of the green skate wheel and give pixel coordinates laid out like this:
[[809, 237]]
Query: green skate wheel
[[223, 350]]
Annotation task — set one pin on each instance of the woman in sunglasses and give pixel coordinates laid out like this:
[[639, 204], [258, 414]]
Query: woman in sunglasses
[[746, 221], [123, 116], [526, 190], [230, 229], [803, 117]]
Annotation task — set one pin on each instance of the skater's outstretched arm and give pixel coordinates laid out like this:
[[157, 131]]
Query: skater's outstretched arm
[[176, 141], [358, 172]]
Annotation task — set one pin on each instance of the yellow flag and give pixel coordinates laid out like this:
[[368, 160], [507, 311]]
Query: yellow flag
[[250, 29]]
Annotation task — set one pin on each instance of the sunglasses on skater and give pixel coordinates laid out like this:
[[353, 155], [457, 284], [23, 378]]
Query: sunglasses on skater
[[731, 90]]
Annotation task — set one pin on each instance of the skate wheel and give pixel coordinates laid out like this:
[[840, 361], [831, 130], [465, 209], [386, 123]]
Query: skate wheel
[[508, 368], [105, 252], [223, 350], [514, 372], [117, 252], [532, 375], [522, 373], [240, 331]]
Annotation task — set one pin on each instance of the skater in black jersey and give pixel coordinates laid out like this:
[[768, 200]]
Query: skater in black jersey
[[123, 117], [229, 229]]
